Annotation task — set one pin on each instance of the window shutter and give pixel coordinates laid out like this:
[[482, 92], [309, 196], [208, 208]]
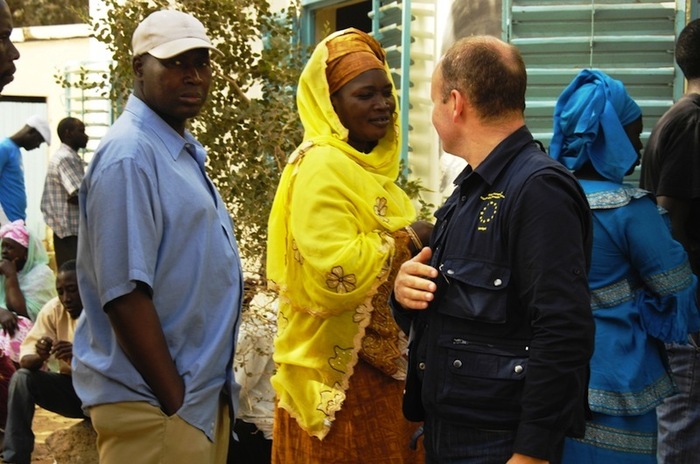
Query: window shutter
[[632, 41], [407, 31]]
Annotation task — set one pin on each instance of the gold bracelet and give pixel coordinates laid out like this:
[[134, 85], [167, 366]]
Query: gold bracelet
[[414, 238]]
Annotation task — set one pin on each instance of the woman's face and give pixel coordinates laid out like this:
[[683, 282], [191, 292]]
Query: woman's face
[[13, 251], [365, 106]]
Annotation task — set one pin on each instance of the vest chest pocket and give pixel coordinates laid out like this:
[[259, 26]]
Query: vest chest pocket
[[476, 290]]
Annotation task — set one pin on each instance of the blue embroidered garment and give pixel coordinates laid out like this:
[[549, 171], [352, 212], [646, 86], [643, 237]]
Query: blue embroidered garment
[[642, 292]]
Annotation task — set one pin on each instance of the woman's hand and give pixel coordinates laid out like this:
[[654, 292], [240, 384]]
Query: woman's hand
[[8, 322], [419, 232], [14, 298], [423, 229], [8, 268]]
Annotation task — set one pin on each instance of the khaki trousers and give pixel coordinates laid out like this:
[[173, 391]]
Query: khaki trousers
[[139, 433]]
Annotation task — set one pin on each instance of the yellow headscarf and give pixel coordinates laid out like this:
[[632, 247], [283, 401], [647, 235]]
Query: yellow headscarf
[[329, 248]]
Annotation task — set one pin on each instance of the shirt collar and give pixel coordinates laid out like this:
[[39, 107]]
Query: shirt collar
[[499, 158], [174, 142], [69, 149]]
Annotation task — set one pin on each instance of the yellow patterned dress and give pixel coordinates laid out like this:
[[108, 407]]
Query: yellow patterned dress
[[335, 241]]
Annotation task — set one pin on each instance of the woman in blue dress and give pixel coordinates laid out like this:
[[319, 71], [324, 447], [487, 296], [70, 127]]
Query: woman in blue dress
[[643, 292]]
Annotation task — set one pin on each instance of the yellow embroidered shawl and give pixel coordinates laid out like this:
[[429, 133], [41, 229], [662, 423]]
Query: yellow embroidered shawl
[[329, 249]]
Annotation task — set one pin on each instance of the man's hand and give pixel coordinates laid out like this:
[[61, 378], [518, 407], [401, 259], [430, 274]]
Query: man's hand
[[522, 459], [43, 348], [139, 333], [413, 288], [35, 361], [63, 350]]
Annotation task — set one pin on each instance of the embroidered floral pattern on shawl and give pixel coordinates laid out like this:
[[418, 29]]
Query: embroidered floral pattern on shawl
[[330, 251]]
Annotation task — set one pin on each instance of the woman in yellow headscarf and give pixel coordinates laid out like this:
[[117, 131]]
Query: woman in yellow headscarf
[[338, 229]]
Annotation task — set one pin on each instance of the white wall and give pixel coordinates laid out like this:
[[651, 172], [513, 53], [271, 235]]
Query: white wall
[[41, 59]]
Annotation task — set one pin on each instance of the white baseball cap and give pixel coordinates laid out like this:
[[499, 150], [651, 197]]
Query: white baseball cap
[[167, 33], [41, 125]]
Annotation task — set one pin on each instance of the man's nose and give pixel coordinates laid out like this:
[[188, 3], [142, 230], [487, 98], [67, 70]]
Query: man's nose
[[193, 74], [13, 52]]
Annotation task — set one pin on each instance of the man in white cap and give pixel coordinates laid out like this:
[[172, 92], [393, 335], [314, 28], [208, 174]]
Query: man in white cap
[[13, 197], [158, 267]]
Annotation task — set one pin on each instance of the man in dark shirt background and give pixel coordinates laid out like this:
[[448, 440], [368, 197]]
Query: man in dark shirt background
[[671, 170], [502, 293]]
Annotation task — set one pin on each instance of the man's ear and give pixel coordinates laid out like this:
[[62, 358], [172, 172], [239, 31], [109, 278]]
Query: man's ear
[[458, 104], [137, 66]]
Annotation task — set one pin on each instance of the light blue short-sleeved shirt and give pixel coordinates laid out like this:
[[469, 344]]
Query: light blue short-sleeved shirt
[[13, 196], [149, 213]]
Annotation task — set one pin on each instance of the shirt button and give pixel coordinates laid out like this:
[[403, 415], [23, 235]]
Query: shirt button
[[497, 283], [518, 369], [421, 366], [450, 271], [457, 363], [464, 198]]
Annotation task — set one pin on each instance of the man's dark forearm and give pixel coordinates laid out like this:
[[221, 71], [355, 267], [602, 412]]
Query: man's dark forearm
[[139, 333]]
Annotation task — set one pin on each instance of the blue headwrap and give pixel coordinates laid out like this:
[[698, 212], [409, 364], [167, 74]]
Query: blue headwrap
[[588, 125]]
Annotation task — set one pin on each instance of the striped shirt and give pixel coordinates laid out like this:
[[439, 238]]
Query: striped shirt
[[63, 178]]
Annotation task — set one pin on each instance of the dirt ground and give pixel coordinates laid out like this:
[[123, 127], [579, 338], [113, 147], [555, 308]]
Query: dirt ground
[[60, 440]]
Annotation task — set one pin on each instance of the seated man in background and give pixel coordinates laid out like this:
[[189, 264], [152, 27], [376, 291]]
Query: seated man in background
[[49, 344]]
